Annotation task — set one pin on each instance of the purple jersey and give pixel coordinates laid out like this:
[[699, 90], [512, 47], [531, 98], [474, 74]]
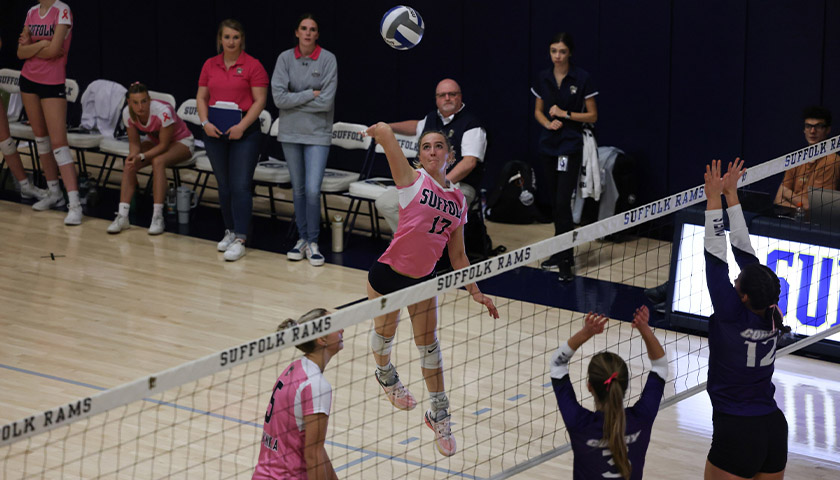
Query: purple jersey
[[742, 345], [586, 429]]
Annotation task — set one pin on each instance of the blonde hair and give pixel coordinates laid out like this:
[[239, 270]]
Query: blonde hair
[[233, 24], [306, 347], [608, 378]]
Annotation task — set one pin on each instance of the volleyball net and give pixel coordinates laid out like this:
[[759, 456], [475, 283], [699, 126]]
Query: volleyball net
[[204, 419]]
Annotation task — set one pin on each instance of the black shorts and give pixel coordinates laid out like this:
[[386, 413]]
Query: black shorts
[[747, 446], [385, 280], [42, 90]]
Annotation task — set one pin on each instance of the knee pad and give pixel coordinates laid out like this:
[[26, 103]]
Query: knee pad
[[430, 356], [42, 145], [8, 147], [379, 344], [62, 156]]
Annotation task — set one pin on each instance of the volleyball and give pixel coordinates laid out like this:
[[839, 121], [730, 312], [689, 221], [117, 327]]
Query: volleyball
[[401, 27]]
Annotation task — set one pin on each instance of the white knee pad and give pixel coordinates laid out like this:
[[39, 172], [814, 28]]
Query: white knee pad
[[42, 145], [62, 156], [8, 147], [430, 356], [379, 344]]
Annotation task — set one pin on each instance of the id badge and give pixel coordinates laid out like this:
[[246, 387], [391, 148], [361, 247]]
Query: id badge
[[562, 163]]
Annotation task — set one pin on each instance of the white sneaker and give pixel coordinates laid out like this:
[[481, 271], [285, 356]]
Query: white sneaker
[[31, 191], [226, 241], [74, 215], [298, 251], [119, 224], [235, 251], [53, 199], [313, 253], [157, 226]]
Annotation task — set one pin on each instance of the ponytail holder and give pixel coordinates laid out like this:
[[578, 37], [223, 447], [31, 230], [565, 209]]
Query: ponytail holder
[[772, 319], [608, 381]]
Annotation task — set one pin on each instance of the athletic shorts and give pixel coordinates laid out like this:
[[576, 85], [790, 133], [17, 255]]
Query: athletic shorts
[[747, 446], [385, 280], [42, 90], [188, 142]]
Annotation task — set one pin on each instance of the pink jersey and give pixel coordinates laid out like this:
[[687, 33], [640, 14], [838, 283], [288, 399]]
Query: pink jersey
[[161, 115], [429, 214], [301, 390], [48, 71]]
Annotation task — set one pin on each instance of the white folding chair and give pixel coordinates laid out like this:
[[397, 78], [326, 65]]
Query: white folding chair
[[337, 182]]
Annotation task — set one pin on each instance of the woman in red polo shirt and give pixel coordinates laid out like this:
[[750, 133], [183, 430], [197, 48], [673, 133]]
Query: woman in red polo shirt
[[240, 82]]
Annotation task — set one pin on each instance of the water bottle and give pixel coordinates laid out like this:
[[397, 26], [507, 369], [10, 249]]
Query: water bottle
[[337, 234], [799, 216], [171, 201]]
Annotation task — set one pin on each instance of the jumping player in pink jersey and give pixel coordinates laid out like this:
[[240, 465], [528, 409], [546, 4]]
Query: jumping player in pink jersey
[[168, 143], [44, 44], [295, 427], [8, 147], [432, 216]]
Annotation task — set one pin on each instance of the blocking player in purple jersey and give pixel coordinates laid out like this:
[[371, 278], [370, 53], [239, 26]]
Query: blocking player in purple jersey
[[610, 442], [749, 437], [432, 216], [295, 427]]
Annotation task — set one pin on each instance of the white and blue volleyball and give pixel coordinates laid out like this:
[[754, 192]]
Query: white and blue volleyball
[[401, 27]]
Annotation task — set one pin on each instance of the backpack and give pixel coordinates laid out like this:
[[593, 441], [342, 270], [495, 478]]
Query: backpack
[[512, 199]]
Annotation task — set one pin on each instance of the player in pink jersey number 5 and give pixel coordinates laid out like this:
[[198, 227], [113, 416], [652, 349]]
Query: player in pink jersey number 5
[[295, 427], [432, 216]]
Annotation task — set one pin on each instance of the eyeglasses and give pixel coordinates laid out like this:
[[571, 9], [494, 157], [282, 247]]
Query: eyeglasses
[[447, 94], [815, 126]]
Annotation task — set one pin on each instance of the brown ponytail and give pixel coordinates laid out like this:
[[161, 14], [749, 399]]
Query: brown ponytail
[[608, 379]]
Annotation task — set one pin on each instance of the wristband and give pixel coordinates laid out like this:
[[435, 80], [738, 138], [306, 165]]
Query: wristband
[[568, 115], [143, 157], [204, 123]]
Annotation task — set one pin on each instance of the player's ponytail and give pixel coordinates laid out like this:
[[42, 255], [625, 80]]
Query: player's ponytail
[[306, 347], [608, 378], [763, 288]]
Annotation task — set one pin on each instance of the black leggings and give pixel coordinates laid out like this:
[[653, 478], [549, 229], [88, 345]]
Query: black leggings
[[562, 184]]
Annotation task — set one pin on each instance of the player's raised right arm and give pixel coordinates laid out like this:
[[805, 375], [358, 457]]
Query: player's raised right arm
[[401, 171]]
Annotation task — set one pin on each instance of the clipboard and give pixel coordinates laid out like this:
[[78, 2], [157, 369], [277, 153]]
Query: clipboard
[[224, 115]]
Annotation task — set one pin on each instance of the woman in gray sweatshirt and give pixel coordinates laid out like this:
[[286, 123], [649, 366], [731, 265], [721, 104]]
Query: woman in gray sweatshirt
[[303, 86]]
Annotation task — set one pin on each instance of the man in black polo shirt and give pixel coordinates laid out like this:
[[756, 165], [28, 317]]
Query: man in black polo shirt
[[467, 136]]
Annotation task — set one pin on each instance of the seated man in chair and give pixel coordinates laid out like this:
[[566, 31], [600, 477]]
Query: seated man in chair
[[821, 173], [465, 133]]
